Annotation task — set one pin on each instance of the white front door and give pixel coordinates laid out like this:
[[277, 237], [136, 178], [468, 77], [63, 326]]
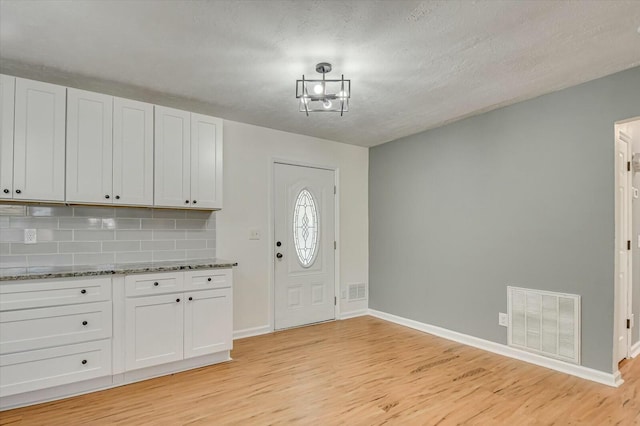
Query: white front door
[[623, 237], [304, 245]]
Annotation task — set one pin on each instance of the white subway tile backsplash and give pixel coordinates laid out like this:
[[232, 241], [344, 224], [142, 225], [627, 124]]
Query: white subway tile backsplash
[[94, 258], [120, 246], [80, 223], [94, 212], [134, 235], [103, 235], [135, 212], [40, 248], [158, 224], [169, 235], [158, 245], [80, 247], [134, 256], [169, 255], [191, 244], [91, 235], [49, 260]]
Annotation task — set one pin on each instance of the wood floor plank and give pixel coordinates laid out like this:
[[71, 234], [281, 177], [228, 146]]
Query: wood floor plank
[[362, 371]]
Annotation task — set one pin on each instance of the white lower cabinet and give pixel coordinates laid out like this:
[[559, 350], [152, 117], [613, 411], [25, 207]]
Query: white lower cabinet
[[154, 327], [179, 325], [60, 337]]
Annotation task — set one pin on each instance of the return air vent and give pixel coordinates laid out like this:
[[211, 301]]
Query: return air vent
[[357, 291], [545, 322]]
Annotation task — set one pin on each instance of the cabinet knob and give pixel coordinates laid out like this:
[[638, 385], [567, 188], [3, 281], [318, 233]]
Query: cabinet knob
[[156, 284], [6, 191], [177, 300], [209, 279], [106, 196], [84, 323], [18, 191], [117, 197], [84, 361], [191, 298], [279, 255], [83, 291], [186, 202], [194, 201]]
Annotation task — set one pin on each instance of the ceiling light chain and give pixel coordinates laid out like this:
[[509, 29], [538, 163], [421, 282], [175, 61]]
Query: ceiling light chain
[[327, 95]]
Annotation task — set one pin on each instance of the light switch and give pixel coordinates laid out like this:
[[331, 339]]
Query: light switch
[[254, 234], [635, 192]]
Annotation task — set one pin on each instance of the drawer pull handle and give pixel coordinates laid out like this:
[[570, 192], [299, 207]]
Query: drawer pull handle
[[83, 291], [84, 361], [84, 323], [208, 279], [155, 284], [191, 298], [177, 300]]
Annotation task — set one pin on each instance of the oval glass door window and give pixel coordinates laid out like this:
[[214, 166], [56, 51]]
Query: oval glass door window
[[305, 228]]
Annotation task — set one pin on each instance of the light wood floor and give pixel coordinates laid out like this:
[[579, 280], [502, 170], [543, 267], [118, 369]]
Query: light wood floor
[[362, 371]]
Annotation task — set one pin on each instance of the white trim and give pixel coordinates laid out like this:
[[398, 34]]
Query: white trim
[[635, 350], [252, 331], [609, 379], [272, 229], [354, 314]]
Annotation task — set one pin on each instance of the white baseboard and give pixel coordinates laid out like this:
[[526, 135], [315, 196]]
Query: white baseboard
[[253, 331], [353, 314], [609, 379], [635, 350]]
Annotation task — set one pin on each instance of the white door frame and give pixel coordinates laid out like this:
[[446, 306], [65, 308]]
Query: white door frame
[[272, 230], [618, 286]]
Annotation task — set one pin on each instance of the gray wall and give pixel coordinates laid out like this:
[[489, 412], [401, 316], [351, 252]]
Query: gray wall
[[523, 195]]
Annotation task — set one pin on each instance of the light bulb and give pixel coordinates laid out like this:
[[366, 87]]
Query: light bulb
[[327, 104], [317, 89], [342, 94]]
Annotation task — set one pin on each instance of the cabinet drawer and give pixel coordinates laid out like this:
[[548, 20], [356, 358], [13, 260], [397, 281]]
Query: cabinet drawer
[[150, 284], [40, 328], [43, 293], [44, 368], [207, 279]]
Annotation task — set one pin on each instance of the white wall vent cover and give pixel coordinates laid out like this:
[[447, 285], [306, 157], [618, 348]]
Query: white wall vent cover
[[544, 322], [357, 291]]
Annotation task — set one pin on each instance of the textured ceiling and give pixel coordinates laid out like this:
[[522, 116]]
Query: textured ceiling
[[414, 65]]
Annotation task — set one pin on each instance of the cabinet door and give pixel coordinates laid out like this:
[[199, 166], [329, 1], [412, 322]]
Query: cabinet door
[[207, 322], [206, 161], [154, 330], [132, 152], [7, 92], [172, 157], [89, 147], [39, 141]]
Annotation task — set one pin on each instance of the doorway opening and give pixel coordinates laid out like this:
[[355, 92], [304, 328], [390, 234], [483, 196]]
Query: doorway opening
[[627, 240]]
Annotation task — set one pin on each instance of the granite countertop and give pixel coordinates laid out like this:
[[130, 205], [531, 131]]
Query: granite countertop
[[36, 273]]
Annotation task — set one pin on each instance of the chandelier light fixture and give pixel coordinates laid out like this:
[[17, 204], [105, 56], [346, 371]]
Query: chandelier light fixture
[[323, 95]]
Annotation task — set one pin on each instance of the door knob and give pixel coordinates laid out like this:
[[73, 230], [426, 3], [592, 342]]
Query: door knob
[[279, 255]]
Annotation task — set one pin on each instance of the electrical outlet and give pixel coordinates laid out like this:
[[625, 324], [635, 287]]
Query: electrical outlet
[[254, 234], [503, 319], [30, 236]]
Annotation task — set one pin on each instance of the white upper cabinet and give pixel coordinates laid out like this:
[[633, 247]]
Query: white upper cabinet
[[39, 141], [7, 92], [89, 147], [172, 158], [188, 160], [206, 161], [132, 152]]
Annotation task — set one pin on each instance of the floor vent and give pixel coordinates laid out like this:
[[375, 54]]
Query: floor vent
[[357, 291], [545, 322]]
